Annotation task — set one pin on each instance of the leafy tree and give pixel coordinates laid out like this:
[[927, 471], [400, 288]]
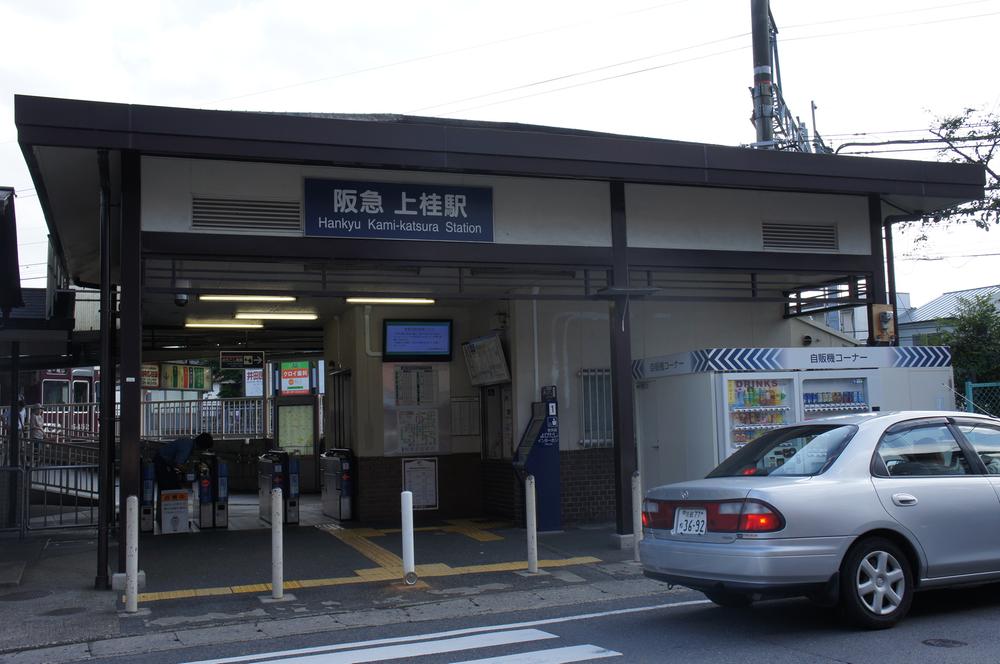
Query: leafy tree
[[971, 137], [975, 341]]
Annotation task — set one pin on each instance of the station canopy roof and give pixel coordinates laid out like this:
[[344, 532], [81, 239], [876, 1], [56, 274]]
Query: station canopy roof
[[61, 139]]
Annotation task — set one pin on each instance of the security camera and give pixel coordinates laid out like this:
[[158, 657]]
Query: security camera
[[180, 299]]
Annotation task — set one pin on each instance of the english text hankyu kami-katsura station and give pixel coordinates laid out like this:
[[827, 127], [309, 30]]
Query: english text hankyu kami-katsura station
[[455, 303]]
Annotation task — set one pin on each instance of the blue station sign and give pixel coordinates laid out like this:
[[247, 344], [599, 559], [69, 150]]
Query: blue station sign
[[398, 211]]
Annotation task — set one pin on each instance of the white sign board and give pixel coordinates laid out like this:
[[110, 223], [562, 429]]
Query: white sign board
[[420, 478], [253, 382], [173, 511]]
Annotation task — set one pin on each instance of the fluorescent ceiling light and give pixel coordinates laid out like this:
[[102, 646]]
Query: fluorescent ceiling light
[[247, 298], [389, 300], [245, 326], [275, 315]]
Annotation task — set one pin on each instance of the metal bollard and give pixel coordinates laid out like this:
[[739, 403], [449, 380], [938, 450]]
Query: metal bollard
[[636, 513], [409, 567], [132, 554], [277, 558], [531, 523]]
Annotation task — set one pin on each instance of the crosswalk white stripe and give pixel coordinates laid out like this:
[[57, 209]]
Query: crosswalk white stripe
[[401, 650], [261, 657], [551, 656]]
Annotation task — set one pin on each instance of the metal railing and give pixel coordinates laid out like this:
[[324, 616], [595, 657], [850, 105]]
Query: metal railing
[[79, 423], [61, 497]]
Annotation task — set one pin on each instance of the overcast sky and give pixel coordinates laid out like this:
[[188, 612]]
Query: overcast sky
[[678, 69]]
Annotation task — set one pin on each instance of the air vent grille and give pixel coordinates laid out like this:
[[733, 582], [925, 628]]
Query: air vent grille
[[246, 216], [799, 237]]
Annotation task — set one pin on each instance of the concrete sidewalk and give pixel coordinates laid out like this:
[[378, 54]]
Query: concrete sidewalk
[[214, 586]]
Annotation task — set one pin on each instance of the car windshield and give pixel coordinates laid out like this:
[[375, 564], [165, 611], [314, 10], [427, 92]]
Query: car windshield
[[804, 450]]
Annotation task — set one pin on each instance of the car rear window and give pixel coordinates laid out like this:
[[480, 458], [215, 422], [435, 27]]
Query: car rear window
[[804, 450]]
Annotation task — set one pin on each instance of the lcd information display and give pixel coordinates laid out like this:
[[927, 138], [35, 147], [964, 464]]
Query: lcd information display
[[416, 340]]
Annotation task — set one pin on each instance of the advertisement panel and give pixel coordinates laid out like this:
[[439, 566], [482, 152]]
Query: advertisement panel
[[294, 378], [185, 377], [253, 382]]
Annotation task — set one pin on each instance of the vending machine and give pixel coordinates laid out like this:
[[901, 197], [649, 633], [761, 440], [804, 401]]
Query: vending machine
[[695, 409]]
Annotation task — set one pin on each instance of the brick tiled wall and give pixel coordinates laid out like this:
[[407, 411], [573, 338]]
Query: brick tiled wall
[[471, 487], [380, 481], [588, 485]]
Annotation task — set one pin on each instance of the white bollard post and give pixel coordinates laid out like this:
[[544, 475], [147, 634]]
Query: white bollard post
[[409, 566], [531, 523], [636, 513], [131, 554], [277, 558]]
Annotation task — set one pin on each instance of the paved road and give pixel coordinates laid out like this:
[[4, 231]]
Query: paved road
[[946, 626]]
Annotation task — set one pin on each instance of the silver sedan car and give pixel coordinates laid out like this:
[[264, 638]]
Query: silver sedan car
[[856, 511]]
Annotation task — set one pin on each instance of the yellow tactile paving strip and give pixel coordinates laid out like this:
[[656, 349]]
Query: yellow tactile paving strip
[[390, 566]]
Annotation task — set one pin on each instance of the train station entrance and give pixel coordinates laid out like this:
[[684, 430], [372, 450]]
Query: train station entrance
[[428, 301]]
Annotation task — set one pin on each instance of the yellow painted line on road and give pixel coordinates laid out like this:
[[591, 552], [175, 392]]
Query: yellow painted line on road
[[378, 574]]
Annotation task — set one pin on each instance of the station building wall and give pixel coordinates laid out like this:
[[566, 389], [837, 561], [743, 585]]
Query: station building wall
[[549, 342]]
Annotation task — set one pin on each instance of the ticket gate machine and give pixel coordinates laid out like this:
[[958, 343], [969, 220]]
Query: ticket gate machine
[[211, 492], [277, 469], [538, 455], [338, 483]]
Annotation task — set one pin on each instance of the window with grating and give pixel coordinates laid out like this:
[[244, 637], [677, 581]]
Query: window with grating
[[245, 216], [799, 237], [596, 427]]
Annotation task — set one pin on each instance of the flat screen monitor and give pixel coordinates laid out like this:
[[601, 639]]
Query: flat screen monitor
[[416, 340]]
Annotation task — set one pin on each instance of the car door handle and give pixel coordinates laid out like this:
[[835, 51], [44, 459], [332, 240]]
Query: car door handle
[[904, 499]]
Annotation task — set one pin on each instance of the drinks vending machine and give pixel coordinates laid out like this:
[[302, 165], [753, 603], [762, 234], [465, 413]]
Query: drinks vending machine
[[696, 408]]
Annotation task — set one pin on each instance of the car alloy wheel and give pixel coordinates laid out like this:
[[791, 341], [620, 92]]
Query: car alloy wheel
[[880, 583], [876, 584]]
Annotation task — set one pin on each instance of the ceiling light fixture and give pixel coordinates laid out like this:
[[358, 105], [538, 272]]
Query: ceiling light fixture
[[389, 300], [244, 326], [275, 315], [247, 298]]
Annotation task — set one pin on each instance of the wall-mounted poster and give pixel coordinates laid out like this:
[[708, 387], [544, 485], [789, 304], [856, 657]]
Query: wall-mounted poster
[[420, 478], [485, 361], [253, 382], [294, 378], [185, 377]]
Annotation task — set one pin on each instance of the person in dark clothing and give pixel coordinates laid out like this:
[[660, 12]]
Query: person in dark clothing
[[171, 457]]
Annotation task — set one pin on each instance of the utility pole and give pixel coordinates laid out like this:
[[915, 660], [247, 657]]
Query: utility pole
[[763, 94]]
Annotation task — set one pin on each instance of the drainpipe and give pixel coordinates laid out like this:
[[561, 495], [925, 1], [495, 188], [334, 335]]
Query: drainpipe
[[368, 333]]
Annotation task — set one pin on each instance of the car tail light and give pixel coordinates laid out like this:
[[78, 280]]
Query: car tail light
[[760, 518], [658, 514], [722, 516]]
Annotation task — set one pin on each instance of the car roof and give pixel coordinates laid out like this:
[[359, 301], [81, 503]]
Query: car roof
[[888, 417]]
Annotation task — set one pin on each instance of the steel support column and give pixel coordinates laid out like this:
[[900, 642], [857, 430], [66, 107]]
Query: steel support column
[[13, 429], [622, 401], [890, 263], [131, 333], [105, 482], [876, 289]]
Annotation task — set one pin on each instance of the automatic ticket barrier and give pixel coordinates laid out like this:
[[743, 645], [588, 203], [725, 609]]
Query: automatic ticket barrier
[[338, 483], [538, 455], [277, 469], [211, 492]]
